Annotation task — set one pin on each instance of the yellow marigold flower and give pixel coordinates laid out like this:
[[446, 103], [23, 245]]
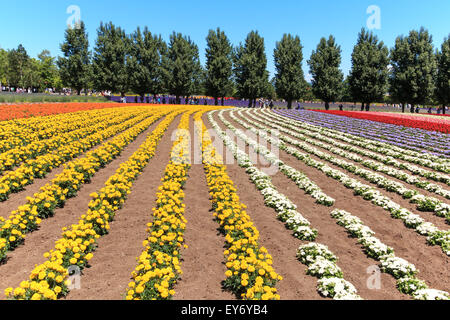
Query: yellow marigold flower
[[8, 291], [36, 296]]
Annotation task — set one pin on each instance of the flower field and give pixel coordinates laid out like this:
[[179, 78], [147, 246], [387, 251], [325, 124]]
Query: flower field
[[114, 202]]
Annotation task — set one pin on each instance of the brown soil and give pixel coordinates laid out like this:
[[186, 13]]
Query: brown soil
[[21, 261], [406, 242]]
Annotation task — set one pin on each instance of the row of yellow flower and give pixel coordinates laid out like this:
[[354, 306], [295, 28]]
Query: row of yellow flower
[[80, 126], [250, 274], [50, 280], [66, 185], [158, 266], [15, 181], [23, 131]]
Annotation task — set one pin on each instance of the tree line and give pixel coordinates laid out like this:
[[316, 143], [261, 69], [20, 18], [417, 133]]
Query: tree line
[[412, 72], [19, 70]]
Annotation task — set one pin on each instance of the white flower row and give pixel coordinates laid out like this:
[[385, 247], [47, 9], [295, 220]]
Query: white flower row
[[321, 263], [335, 288], [435, 236], [400, 269], [302, 181], [352, 143]]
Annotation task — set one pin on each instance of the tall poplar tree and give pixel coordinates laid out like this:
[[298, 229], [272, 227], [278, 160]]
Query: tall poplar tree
[[327, 78], [443, 74], [250, 63], [219, 65], [110, 61], [183, 71], [368, 77], [414, 68], [145, 63], [75, 63], [289, 79]]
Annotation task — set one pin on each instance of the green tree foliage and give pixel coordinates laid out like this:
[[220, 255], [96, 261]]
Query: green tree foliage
[[250, 71], [414, 68], [110, 59], [368, 78], [18, 65], [324, 65], [443, 74], [3, 67], [219, 65], [74, 64], [289, 78], [145, 62], [47, 69], [183, 72]]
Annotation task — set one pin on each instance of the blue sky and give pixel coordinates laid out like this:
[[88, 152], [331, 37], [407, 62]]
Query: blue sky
[[40, 24]]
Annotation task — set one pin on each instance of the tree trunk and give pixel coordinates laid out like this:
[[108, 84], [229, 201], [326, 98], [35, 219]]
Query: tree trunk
[[368, 106], [250, 103], [142, 99], [403, 107], [223, 102], [443, 109], [178, 100], [412, 108], [362, 106], [327, 105], [289, 106], [216, 101]]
